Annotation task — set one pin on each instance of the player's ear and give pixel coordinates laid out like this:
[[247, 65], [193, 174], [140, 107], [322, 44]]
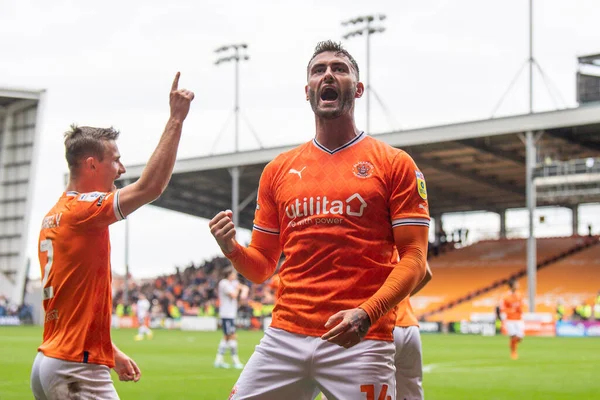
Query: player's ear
[[360, 89], [306, 92], [90, 163]]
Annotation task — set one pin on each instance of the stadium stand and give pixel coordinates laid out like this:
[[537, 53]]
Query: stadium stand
[[488, 265], [468, 280]]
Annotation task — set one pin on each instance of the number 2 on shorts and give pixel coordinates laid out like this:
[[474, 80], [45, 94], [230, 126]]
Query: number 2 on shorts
[[370, 391]]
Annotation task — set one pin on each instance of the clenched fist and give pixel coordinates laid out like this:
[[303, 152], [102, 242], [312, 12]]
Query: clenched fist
[[223, 229]]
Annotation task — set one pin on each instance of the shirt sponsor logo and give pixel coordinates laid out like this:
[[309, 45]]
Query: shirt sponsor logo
[[354, 206], [52, 315]]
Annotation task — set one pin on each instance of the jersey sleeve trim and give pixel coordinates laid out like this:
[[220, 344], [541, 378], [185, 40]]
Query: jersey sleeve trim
[[270, 231], [117, 207], [410, 221]]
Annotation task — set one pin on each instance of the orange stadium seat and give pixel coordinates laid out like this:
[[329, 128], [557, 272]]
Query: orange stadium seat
[[467, 270]]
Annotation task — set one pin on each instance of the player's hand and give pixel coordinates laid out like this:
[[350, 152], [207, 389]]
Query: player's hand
[[349, 327], [180, 100], [126, 368], [223, 229]]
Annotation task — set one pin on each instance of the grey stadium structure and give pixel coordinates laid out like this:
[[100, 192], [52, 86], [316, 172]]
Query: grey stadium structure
[[19, 144]]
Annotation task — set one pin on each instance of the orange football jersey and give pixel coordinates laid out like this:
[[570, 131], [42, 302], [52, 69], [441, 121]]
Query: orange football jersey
[[512, 305], [74, 254], [405, 316], [334, 212]]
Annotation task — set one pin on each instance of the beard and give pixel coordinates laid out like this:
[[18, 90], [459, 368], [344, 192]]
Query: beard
[[345, 102]]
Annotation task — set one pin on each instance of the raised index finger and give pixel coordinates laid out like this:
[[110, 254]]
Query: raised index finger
[[175, 82]]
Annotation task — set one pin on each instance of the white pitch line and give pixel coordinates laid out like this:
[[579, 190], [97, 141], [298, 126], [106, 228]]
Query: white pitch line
[[428, 368], [194, 378]]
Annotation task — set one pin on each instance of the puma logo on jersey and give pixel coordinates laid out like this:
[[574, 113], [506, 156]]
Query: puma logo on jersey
[[295, 171]]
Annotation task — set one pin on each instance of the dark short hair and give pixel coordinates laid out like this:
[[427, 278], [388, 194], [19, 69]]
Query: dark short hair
[[86, 141], [227, 271], [335, 47]]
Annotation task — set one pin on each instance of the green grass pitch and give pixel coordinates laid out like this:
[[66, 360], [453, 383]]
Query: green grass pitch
[[178, 365]]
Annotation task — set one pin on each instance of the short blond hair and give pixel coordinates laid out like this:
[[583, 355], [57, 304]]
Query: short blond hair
[[86, 141]]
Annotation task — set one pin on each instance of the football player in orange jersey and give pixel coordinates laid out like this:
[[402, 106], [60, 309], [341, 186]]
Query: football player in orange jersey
[[407, 339], [76, 353], [409, 354], [338, 207], [512, 307]]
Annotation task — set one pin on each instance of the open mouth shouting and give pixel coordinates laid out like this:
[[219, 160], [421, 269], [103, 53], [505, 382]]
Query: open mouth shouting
[[329, 94]]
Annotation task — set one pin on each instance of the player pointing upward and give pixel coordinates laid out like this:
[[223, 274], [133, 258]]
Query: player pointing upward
[[337, 222], [74, 252]]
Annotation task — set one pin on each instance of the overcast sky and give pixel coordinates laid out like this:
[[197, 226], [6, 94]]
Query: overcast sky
[[112, 62]]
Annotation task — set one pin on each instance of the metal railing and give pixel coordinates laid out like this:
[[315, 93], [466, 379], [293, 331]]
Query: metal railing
[[571, 167]]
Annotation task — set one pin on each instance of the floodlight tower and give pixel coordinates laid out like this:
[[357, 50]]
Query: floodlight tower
[[531, 140], [367, 29], [237, 53], [237, 56]]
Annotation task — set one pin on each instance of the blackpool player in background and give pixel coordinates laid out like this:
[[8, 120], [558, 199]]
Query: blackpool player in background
[[229, 290], [143, 316], [338, 207], [512, 307], [77, 353], [409, 353]]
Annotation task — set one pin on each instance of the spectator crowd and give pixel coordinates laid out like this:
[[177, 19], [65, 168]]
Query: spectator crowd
[[191, 291], [10, 309]]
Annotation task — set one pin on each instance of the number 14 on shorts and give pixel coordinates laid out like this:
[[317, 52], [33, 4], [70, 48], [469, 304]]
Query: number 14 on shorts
[[369, 390]]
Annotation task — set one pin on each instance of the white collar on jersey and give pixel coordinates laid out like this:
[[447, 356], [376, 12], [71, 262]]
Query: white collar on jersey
[[72, 193], [352, 142]]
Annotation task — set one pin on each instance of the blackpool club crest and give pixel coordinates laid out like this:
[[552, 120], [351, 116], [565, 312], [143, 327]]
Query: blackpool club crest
[[363, 169]]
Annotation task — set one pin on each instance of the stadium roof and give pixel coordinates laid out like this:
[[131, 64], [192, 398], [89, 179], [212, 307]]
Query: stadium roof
[[478, 165], [17, 97]]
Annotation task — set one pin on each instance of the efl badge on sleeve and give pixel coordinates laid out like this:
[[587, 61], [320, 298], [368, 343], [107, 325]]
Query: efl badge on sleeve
[[421, 187]]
